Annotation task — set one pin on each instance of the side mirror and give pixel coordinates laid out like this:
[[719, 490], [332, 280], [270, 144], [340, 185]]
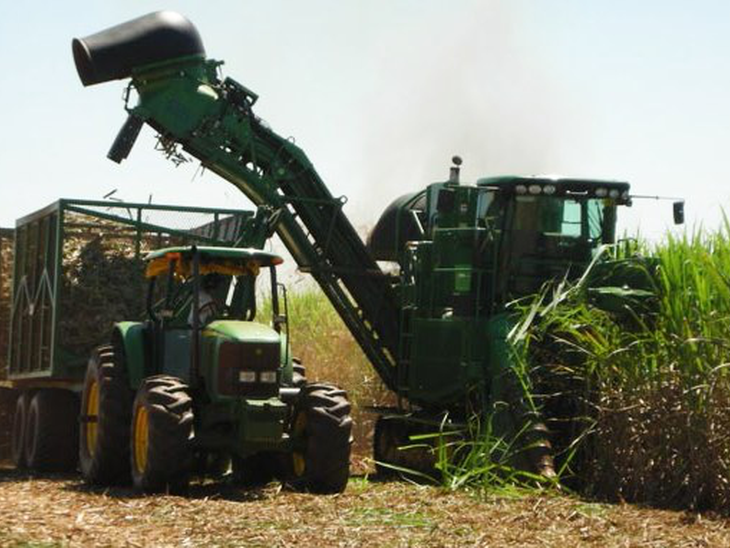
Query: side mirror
[[678, 212]]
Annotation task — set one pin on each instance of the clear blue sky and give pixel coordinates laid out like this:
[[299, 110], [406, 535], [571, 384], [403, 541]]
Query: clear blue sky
[[381, 93]]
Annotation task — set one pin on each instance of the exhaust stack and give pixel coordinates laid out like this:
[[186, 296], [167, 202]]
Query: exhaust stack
[[455, 170], [112, 53]]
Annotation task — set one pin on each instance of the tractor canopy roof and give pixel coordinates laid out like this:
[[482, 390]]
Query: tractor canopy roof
[[229, 261], [560, 186]]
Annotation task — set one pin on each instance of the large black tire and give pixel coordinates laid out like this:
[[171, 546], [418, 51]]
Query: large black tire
[[161, 452], [51, 434], [17, 440], [321, 429], [106, 415]]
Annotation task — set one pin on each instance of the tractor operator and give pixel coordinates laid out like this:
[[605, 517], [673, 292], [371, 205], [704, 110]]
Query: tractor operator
[[209, 307]]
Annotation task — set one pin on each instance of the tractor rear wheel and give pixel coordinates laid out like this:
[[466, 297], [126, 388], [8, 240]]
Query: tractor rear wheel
[[51, 432], [162, 427], [17, 442], [105, 419], [321, 429]]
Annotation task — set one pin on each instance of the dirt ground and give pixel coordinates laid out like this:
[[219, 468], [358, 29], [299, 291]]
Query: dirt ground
[[62, 511]]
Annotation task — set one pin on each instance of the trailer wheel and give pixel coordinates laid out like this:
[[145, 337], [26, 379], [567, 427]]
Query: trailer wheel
[[321, 430], [17, 441], [161, 435], [106, 405], [51, 435]]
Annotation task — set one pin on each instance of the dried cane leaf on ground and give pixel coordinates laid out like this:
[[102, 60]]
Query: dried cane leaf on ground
[[62, 511]]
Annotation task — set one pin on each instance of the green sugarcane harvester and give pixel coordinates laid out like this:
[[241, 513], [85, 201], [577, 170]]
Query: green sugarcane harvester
[[436, 333]]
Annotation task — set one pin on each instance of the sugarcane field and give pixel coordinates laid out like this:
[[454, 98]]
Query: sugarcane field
[[365, 274]]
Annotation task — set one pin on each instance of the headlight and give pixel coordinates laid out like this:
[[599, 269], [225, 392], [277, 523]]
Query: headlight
[[614, 193], [521, 189], [549, 189], [625, 195], [268, 377], [535, 189], [601, 192], [247, 376]]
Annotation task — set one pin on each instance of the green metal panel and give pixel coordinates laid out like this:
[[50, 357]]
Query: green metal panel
[[130, 335], [258, 425], [261, 422], [448, 360]]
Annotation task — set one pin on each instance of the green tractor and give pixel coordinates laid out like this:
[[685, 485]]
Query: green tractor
[[200, 384]]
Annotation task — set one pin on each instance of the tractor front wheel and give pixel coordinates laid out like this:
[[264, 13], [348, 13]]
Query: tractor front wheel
[[161, 435], [321, 430]]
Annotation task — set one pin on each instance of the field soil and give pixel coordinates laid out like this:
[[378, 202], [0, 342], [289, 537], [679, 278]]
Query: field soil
[[62, 511]]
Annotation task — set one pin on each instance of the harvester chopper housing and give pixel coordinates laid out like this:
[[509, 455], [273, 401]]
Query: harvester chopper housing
[[437, 332]]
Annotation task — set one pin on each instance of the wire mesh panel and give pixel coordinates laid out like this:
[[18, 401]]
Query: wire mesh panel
[[33, 301], [79, 268]]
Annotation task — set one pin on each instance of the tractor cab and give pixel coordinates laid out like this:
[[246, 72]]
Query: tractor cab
[[545, 228], [202, 303], [220, 280]]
